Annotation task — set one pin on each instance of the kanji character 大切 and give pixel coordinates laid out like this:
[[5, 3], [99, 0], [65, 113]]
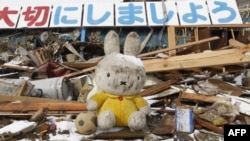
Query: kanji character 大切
[[32, 16], [4, 15]]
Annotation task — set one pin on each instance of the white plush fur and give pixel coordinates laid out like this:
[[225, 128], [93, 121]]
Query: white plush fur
[[106, 120], [137, 120], [112, 65], [122, 75]]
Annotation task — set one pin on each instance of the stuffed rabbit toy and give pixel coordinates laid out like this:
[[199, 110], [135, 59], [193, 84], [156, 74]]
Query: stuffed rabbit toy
[[120, 77]]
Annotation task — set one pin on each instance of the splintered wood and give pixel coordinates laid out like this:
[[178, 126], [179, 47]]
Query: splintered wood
[[26, 104], [183, 83], [199, 60], [202, 98]]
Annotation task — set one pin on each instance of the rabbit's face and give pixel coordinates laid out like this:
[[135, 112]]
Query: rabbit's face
[[120, 74]]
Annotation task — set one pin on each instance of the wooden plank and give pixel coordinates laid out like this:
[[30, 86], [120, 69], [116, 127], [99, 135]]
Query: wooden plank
[[30, 113], [34, 106], [232, 32], [198, 60], [23, 87], [81, 72], [157, 88], [17, 67], [24, 103], [202, 97], [235, 43], [196, 34], [38, 55], [208, 125], [13, 98], [171, 40], [196, 37], [179, 46]]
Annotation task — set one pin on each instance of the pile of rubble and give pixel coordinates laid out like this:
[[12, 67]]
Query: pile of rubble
[[192, 96]]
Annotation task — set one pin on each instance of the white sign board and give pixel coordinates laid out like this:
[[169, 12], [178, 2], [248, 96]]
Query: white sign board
[[159, 13], [193, 12], [9, 17], [103, 16], [66, 16], [223, 12], [130, 14], [77, 13]]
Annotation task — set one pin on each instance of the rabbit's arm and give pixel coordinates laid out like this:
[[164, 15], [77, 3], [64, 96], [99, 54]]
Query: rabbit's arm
[[91, 105], [145, 109], [96, 101], [142, 104]]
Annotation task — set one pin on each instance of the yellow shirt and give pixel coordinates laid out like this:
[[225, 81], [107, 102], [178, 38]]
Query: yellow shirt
[[121, 106]]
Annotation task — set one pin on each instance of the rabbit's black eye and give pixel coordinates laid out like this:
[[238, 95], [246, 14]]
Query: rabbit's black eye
[[108, 74], [138, 78]]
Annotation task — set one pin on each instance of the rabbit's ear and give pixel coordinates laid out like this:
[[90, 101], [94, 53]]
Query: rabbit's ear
[[132, 44], [111, 43]]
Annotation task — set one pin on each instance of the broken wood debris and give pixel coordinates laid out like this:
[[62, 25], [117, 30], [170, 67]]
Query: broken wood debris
[[197, 79], [202, 98], [209, 126], [26, 104], [211, 58], [157, 88], [178, 47]]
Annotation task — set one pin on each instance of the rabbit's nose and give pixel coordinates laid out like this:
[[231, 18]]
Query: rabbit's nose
[[123, 83]]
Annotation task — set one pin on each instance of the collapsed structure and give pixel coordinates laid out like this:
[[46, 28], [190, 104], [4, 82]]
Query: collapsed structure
[[197, 79]]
